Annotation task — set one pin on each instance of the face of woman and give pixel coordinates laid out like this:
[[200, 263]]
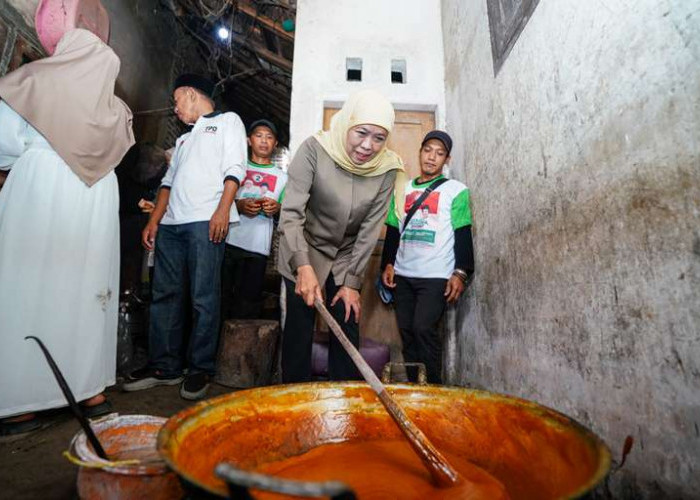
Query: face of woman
[[363, 142]]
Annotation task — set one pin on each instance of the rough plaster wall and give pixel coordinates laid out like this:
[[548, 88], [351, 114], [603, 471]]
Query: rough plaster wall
[[143, 36], [583, 156], [139, 35]]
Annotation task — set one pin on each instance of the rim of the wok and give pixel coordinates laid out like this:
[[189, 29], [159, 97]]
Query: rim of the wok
[[201, 408]]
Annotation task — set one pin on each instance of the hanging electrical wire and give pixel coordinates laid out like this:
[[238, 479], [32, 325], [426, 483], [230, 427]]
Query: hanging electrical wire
[[242, 47], [213, 12]]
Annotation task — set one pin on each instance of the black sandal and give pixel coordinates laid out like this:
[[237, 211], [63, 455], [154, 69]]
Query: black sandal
[[23, 427], [99, 410]]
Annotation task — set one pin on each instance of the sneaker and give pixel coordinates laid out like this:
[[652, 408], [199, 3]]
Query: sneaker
[[195, 386], [145, 378]]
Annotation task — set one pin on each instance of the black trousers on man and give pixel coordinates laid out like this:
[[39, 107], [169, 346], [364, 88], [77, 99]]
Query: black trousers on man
[[298, 336], [419, 304], [242, 283]]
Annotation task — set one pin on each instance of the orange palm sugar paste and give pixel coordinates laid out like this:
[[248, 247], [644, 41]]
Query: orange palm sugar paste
[[383, 469]]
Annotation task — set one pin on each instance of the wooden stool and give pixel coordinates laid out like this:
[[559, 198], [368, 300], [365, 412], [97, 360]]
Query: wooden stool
[[247, 352]]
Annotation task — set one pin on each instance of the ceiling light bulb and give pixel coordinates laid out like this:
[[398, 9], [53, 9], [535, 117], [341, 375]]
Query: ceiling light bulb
[[223, 33]]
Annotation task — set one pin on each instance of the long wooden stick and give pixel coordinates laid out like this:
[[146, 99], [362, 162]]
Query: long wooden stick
[[441, 471]]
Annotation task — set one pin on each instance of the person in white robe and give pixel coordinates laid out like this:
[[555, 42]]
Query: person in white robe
[[62, 132]]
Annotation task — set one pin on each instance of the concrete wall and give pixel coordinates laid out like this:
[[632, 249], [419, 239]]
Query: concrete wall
[[143, 34], [583, 156], [329, 32]]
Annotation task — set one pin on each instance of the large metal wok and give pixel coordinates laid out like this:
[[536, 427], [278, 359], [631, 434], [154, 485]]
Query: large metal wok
[[534, 451]]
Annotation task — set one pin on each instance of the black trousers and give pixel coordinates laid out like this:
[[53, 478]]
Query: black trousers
[[297, 339], [419, 304], [242, 283], [131, 251]]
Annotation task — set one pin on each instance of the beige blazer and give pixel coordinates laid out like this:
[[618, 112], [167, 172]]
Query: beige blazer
[[330, 218]]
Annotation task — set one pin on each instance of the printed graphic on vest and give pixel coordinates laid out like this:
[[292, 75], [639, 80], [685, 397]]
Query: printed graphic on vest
[[258, 185], [423, 225]]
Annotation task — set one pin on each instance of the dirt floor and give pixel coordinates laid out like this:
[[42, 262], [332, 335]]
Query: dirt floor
[[32, 465]]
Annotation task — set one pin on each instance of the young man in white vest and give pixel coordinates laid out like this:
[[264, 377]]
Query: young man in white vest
[[248, 244], [187, 228], [428, 259]]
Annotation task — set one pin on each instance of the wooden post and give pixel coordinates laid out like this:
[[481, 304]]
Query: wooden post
[[247, 352]]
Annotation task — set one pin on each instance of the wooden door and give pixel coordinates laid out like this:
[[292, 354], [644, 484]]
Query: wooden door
[[378, 320]]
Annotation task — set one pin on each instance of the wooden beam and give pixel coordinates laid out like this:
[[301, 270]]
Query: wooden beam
[[263, 108], [257, 94], [283, 93], [259, 51], [251, 11], [259, 89], [269, 56], [272, 80], [240, 74]]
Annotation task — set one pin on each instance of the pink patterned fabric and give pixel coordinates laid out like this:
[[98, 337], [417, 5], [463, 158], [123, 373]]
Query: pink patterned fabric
[[54, 18]]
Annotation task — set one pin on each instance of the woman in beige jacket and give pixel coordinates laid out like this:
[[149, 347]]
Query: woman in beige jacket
[[338, 191]]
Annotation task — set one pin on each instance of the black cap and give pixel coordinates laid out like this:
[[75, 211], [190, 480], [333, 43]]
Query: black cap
[[204, 85], [262, 123], [441, 136]]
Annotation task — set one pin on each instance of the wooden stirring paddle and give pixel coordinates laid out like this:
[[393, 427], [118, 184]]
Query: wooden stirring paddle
[[441, 471], [68, 394]]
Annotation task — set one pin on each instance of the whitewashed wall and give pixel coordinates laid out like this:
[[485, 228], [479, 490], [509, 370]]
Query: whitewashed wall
[[583, 156], [377, 31]]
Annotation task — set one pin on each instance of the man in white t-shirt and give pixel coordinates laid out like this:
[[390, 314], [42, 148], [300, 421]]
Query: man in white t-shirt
[[187, 228], [428, 259], [248, 244]]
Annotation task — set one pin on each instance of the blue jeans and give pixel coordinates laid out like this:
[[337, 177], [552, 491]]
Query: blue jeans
[[185, 256]]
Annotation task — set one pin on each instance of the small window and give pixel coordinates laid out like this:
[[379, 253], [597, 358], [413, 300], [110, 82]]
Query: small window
[[398, 71], [353, 67]]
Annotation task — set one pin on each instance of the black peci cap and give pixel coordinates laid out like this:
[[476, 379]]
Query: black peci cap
[[262, 123], [204, 85], [441, 136]]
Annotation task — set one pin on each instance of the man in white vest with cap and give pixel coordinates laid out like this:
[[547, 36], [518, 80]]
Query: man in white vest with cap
[[188, 228], [428, 256]]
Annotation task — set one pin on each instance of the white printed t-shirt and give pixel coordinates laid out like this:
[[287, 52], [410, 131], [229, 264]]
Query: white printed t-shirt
[[213, 151], [255, 233], [426, 248]]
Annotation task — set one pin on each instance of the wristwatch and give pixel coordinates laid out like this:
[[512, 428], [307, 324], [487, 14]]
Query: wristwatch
[[461, 274]]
